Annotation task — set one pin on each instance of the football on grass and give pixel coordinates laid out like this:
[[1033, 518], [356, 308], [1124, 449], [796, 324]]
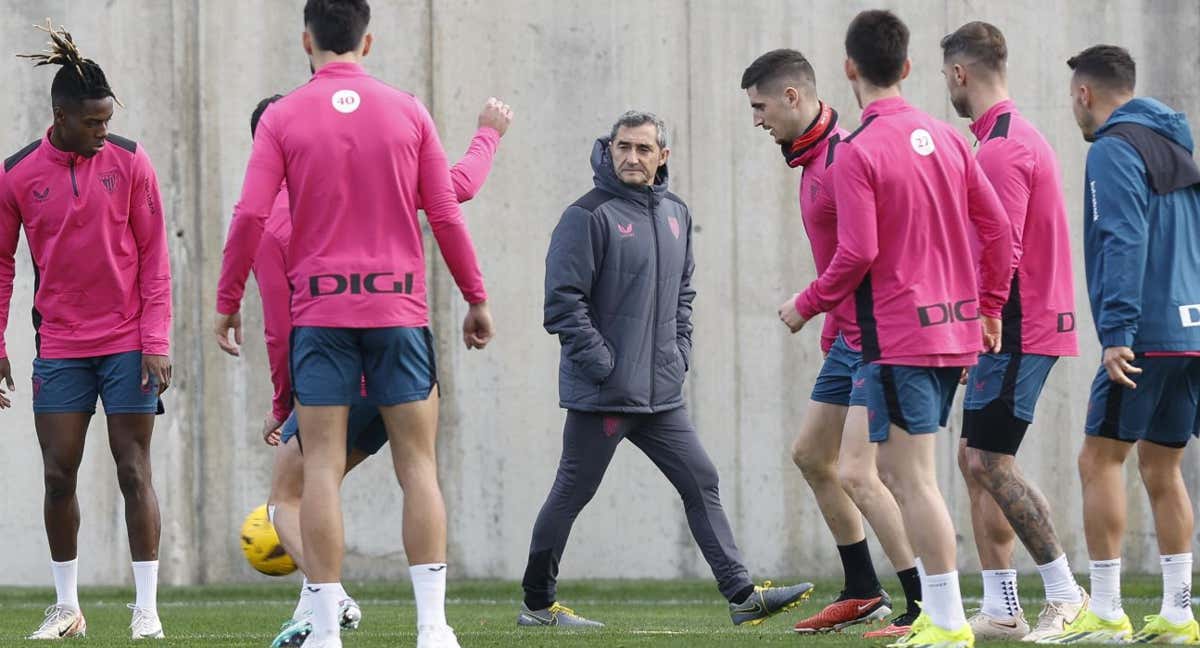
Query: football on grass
[[261, 545]]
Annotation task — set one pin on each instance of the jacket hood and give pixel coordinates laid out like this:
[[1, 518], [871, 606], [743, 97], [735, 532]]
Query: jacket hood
[[1155, 115]]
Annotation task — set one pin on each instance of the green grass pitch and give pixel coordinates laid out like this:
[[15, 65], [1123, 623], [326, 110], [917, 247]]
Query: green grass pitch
[[654, 613]]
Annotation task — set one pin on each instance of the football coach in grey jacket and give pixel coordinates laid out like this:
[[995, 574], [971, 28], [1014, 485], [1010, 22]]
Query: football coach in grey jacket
[[619, 297]]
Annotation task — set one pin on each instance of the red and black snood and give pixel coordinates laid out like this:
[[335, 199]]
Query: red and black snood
[[818, 130]]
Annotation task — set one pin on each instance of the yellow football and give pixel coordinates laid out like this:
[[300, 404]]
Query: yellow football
[[262, 547]]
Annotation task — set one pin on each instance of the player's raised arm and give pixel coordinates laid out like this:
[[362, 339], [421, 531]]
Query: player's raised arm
[[470, 172], [454, 241]]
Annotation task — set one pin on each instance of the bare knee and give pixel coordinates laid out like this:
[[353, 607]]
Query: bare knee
[[60, 482], [133, 477], [988, 469], [891, 480], [288, 493], [1158, 476], [857, 480], [817, 469], [416, 472], [1093, 463], [964, 463]]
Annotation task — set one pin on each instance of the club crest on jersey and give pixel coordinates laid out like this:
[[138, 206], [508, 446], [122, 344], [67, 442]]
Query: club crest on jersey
[[674, 223], [346, 101], [111, 180], [43, 195], [922, 142]]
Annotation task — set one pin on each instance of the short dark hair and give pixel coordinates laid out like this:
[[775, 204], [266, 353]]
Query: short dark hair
[[635, 118], [877, 41], [1109, 65], [259, 110], [78, 78], [778, 66], [337, 25], [979, 41]]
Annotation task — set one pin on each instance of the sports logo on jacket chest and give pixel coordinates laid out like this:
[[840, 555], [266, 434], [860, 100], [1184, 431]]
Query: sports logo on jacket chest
[[43, 195], [625, 230], [674, 223], [111, 179]]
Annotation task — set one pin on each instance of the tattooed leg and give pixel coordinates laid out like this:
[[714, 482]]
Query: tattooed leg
[[1022, 503]]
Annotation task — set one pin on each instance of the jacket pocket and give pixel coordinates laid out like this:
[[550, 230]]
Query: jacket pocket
[[598, 368]]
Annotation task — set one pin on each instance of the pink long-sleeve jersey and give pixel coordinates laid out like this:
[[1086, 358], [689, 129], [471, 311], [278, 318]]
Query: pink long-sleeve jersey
[[1039, 316], [356, 154], [819, 211], [270, 265], [98, 239], [907, 189]]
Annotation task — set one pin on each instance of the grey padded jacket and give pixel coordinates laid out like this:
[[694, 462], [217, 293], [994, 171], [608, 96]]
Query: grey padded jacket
[[619, 295]]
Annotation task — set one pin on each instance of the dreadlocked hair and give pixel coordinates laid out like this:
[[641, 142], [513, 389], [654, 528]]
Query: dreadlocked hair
[[79, 78]]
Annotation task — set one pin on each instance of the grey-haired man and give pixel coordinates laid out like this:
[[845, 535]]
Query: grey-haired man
[[619, 297]]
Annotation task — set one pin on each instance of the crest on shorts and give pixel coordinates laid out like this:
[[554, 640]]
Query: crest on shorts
[[674, 223], [111, 180]]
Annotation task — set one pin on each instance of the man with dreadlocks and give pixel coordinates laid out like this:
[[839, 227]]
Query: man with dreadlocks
[[89, 204]]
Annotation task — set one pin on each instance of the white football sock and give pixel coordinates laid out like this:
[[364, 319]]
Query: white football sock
[[943, 601], [1177, 588], [1000, 593], [429, 588], [325, 600], [1106, 589], [1059, 582], [66, 582], [304, 605], [921, 572], [145, 580]]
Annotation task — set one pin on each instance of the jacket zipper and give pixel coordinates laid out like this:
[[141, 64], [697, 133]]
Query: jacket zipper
[[654, 315], [74, 186]]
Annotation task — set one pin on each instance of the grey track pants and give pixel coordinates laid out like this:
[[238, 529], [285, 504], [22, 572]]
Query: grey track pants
[[670, 441]]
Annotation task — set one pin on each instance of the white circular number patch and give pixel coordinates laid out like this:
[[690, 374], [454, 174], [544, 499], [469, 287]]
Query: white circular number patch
[[921, 142], [346, 101]]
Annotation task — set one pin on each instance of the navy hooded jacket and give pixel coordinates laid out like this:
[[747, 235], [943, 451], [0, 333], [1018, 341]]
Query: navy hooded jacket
[[1142, 230]]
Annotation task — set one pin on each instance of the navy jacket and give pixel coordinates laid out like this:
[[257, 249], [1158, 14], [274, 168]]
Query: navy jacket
[[1142, 230], [619, 295]]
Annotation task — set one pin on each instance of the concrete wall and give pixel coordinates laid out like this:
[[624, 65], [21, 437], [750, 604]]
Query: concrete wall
[[190, 72]]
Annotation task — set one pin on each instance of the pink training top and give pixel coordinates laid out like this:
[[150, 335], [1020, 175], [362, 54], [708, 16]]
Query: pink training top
[[98, 240], [1039, 316], [906, 188], [356, 154], [819, 211], [270, 265]]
